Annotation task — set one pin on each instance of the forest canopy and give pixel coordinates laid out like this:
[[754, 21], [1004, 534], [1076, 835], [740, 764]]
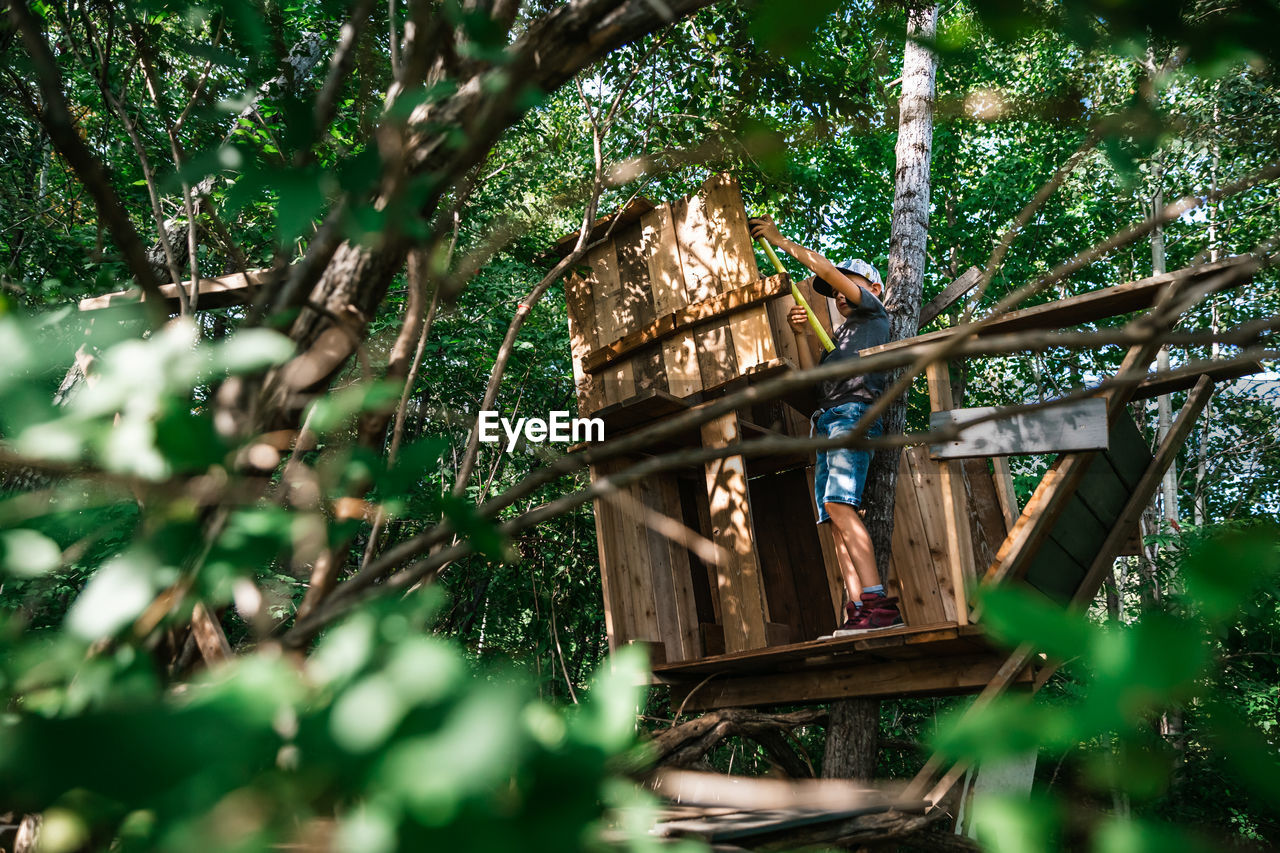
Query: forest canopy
[[261, 583]]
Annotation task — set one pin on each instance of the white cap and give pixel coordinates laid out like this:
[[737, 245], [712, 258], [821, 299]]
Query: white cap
[[857, 266]]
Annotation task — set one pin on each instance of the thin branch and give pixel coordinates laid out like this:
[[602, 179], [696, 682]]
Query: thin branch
[[344, 56], [57, 121]]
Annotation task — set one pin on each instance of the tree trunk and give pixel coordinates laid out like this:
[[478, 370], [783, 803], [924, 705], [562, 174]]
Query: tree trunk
[[851, 735], [1164, 405], [852, 739]]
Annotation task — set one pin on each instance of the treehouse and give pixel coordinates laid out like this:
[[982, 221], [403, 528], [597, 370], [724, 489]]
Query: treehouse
[[668, 313]]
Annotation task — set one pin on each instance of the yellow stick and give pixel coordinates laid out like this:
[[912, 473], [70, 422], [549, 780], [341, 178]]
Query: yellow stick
[[823, 337]]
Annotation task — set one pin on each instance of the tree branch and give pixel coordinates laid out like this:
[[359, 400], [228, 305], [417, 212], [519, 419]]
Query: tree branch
[[57, 121]]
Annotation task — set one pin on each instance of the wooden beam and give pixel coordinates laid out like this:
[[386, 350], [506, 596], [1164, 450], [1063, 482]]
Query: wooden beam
[[1014, 669], [1092, 306], [638, 207], [1005, 491], [220, 292], [967, 281], [1143, 491], [744, 612], [1071, 426], [711, 309], [954, 501], [907, 677], [210, 638], [1186, 377], [1061, 481], [812, 652]]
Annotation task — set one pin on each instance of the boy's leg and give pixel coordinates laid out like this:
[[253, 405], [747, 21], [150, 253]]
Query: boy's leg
[[854, 541], [848, 570]]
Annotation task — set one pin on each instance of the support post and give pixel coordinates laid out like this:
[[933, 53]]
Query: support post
[[1004, 490], [954, 501], [743, 610]]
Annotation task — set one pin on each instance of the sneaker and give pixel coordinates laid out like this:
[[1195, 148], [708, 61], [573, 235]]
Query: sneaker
[[852, 613], [878, 611]]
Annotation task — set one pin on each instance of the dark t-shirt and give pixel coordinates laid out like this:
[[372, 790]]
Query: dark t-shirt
[[867, 326]]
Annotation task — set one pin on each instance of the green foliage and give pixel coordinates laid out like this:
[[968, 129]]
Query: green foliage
[[1130, 674], [384, 727]]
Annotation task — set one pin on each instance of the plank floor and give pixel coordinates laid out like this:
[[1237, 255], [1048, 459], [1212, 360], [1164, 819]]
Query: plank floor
[[905, 641]]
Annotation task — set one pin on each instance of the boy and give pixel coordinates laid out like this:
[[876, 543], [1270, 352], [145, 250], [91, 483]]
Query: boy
[[841, 473]]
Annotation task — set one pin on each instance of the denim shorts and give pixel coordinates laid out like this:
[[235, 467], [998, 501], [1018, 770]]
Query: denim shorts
[[841, 472]]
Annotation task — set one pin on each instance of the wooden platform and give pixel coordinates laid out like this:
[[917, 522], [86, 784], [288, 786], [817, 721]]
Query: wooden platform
[[221, 292], [902, 661]]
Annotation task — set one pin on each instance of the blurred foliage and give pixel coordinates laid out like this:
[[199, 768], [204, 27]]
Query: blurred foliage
[[383, 739], [1181, 658]]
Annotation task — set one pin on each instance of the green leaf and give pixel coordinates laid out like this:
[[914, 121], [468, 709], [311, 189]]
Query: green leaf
[[252, 350], [117, 594], [1016, 615], [28, 554], [1221, 573], [1011, 824]]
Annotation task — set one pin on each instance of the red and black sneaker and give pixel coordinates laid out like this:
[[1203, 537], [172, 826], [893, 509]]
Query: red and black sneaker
[[851, 612], [878, 611]]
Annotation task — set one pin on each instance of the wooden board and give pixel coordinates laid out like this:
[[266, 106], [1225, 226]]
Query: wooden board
[[1006, 492], [583, 339], [729, 231], [615, 605], [650, 371], [830, 559], [987, 523], [911, 564], [791, 559], [618, 219], [618, 381], [219, 292], [717, 363], [967, 281], [1070, 426], [635, 295], [662, 254], [1089, 307], [606, 291], [784, 338], [743, 609], [672, 579], [752, 338], [1186, 377], [640, 410], [927, 480], [715, 309], [1054, 572], [955, 507], [697, 517], [893, 678], [680, 356], [752, 335]]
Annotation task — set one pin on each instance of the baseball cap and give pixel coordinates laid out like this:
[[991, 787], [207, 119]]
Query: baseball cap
[[857, 266]]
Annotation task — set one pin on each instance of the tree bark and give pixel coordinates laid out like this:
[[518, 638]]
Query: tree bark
[[852, 739], [851, 736]]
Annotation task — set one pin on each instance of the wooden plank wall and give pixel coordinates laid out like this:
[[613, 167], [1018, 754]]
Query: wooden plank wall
[[743, 608], [920, 565], [647, 579], [674, 256]]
